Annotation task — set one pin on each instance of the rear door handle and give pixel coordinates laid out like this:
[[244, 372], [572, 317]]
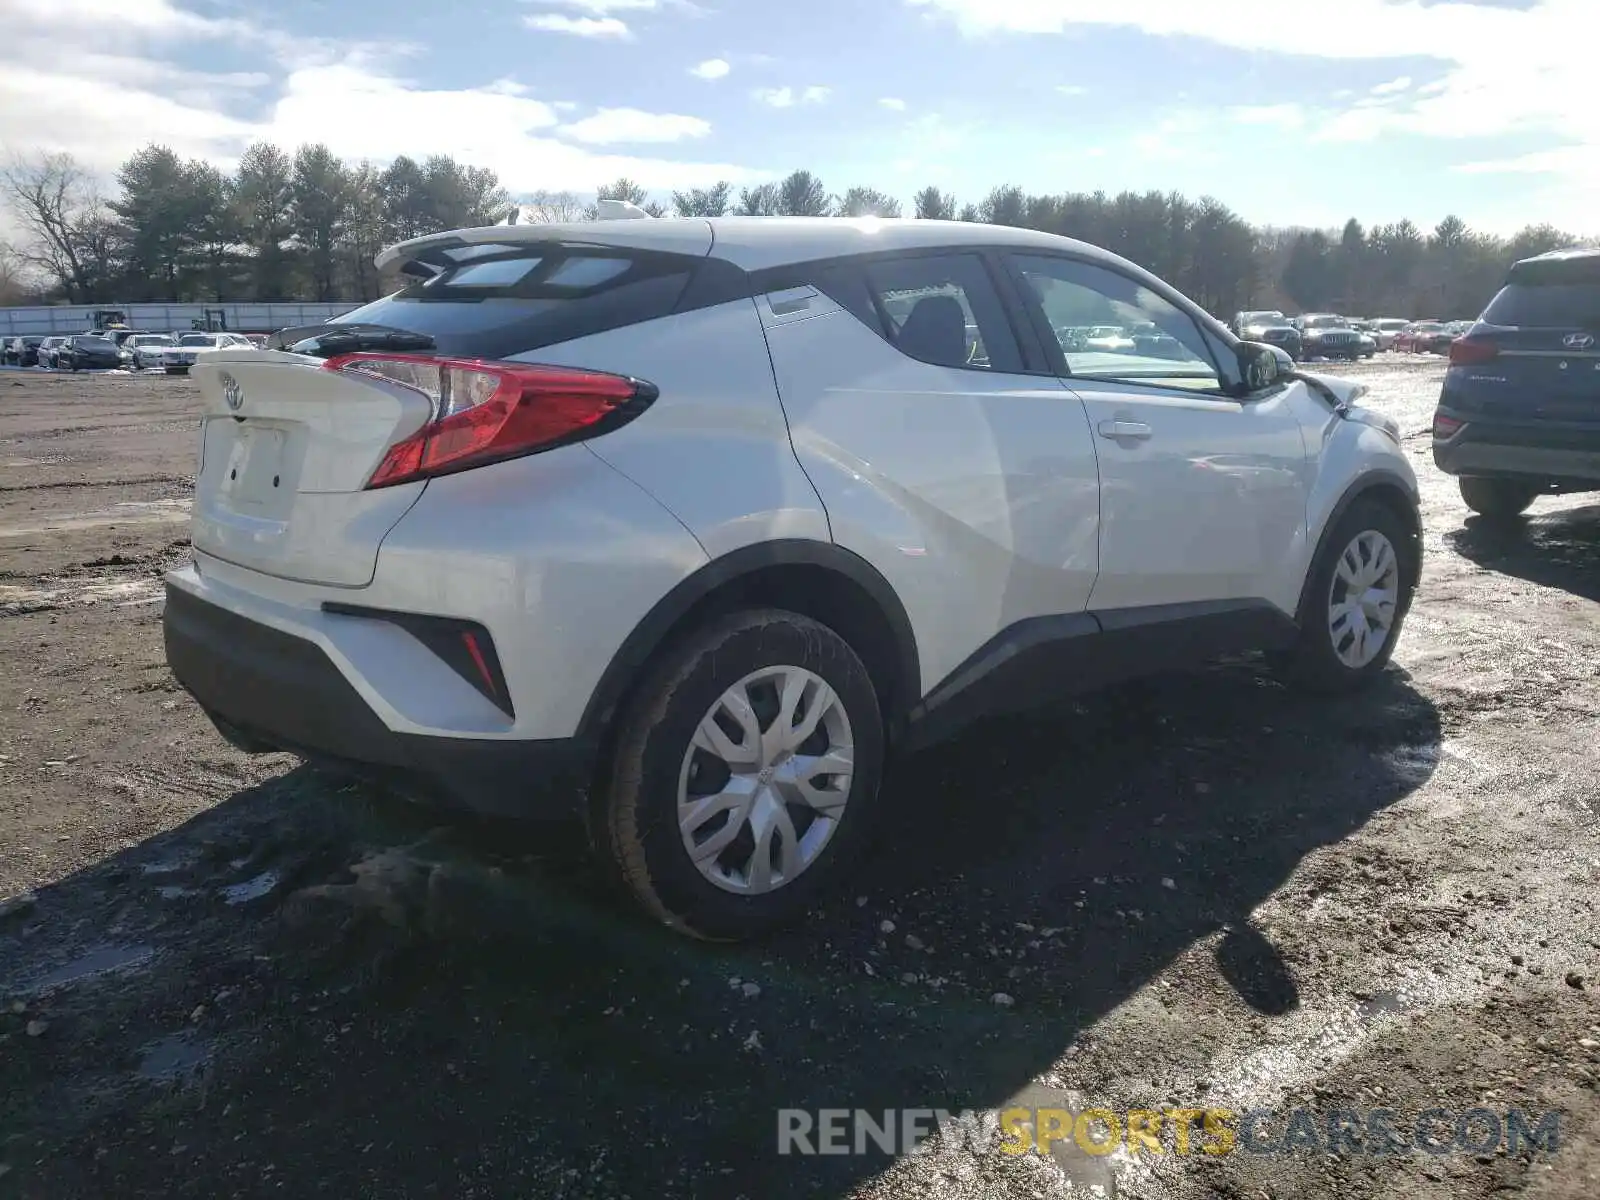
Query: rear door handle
[[1118, 430]]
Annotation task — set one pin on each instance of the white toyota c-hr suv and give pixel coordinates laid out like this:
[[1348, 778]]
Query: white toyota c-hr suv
[[685, 525]]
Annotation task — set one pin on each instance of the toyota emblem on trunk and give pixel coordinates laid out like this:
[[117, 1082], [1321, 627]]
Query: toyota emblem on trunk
[[232, 393], [1578, 341]]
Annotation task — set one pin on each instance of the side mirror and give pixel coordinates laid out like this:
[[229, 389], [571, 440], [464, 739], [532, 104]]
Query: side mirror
[[1262, 366]]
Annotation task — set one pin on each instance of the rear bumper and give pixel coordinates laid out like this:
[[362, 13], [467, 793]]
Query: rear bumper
[[1558, 455], [269, 690]]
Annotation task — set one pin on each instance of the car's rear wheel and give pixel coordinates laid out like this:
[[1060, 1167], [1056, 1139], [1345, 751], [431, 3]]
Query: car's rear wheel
[[745, 776], [1499, 499], [1356, 600]]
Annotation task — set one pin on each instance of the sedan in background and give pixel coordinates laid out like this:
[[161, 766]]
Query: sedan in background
[[1386, 329], [1418, 337], [179, 358], [89, 352], [147, 349], [45, 355], [22, 351], [1109, 339]]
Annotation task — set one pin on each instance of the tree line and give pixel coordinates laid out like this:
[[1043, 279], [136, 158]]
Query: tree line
[[307, 225]]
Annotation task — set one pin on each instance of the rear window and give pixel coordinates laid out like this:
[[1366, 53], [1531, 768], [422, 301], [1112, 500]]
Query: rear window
[[500, 301], [1550, 304]]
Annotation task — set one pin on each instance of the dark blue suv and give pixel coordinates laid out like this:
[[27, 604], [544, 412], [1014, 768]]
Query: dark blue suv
[[1519, 416]]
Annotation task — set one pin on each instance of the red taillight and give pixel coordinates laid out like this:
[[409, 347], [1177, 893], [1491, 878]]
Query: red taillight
[[1446, 427], [486, 412], [1465, 351]]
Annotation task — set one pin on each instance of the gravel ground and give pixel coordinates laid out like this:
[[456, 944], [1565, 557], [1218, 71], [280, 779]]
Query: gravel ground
[[233, 976]]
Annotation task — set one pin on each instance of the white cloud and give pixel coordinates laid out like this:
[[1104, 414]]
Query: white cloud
[[1072, 89], [610, 126], [893, 103], [1393, 87], [1506, 71], [593, 27], [114, 94], [711, 69], [1278, 116], [602, 7], [787, 97]]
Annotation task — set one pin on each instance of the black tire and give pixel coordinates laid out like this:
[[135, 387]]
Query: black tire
[[1497, 499], [1313, 662], [634, 809]]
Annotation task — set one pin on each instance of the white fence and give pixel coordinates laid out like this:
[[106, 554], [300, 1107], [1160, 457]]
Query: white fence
[[57, 319]]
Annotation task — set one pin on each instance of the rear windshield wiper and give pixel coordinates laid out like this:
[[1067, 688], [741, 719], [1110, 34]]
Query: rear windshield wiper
[[325, 341]]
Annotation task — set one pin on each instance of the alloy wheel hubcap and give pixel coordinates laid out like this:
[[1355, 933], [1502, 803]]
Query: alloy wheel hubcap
[[1364, 597], [766, 779]]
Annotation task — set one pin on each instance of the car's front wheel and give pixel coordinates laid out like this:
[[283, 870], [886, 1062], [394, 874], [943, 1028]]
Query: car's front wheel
[[745, 776], [1498, 499], [1356, 599]]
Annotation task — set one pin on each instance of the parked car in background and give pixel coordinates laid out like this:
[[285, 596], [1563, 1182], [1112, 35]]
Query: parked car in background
[[1385, 329], [1418, 337], [1151, 340], [1328, 335], [147, 349], [46, 353], [1108, 339], [89, 352], [1270, 327], [28, 349], [1437, 341], [1519, 413], [668, 635], [177, 359]]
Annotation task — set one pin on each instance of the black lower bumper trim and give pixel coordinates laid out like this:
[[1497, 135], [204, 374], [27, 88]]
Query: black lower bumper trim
[[267, 690]]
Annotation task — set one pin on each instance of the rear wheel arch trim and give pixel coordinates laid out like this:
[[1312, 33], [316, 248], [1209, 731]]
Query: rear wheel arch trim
[[653, 630], [1368, 486]]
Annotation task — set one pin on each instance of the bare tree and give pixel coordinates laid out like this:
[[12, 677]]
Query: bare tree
[[13, 279], [55, 201], [552, 208]]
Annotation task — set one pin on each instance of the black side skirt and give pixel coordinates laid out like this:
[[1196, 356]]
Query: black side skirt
[[1042, 659]]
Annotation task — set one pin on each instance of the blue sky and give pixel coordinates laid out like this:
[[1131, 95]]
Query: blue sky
[[1299, 114]]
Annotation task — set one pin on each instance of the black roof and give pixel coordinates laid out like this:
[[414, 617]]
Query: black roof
[[1558, 266]]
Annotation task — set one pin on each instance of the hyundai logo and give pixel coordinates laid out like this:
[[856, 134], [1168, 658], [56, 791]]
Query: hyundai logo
[[1578, 341], [232, 393]]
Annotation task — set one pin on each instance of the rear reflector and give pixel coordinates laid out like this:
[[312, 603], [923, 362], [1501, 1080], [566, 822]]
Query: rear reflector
[[485, 412], [1446, 427], [464, 646], [1465, 351]]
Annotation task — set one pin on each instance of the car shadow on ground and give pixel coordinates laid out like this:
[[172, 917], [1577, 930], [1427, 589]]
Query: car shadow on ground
[[1559, 549], [466, 1013]]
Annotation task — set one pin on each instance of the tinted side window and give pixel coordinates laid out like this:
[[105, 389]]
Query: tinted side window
[[944, 310], [1110, 326], [505, 300]]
